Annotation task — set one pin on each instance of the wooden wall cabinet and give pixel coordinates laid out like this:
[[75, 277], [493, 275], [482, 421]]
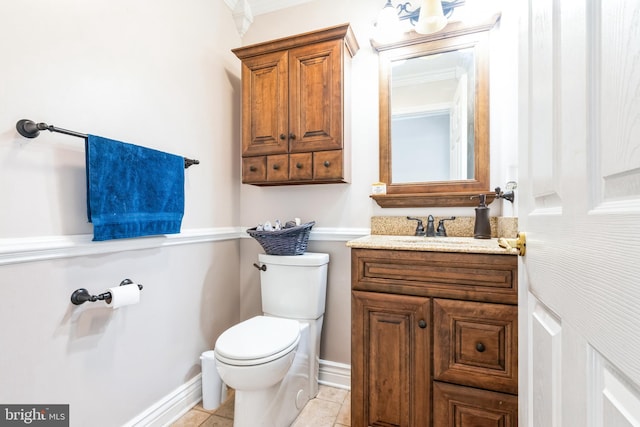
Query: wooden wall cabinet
[[434, 339], [295, 108]]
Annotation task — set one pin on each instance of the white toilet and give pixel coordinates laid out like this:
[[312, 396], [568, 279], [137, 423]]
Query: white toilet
[[272, 360]]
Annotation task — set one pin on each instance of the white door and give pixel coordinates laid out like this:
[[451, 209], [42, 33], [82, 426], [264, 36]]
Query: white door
[[579, 202]]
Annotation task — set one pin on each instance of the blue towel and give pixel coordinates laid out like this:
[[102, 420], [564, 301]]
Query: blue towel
[[132, 191]]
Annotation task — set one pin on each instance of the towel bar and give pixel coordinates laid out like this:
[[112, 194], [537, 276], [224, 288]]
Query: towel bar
[[30, 129]]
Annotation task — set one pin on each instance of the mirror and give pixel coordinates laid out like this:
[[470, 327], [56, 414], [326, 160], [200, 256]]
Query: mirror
[[434, 117]]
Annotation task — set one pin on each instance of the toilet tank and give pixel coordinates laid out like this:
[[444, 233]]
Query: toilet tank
[[294, 286]]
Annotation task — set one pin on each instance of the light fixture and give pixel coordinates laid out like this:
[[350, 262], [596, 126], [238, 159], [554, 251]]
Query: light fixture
[[429, 18], [388, 24]]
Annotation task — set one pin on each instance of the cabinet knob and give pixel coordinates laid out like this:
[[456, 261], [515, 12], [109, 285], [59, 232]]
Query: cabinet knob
[[276, 166], [299, 165], [283, 136], [252, 168], [327, 163], [292, 135], [422, 324], [480, 347]]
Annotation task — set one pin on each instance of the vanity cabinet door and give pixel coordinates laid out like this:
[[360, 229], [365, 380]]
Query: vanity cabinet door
[[475, 344], [390, 360], [460, 406]]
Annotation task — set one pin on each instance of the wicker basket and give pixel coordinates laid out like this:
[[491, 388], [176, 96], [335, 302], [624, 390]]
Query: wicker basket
[[288, 241]]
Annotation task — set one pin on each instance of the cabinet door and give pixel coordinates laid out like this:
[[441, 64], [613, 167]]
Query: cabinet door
[[475, 344], [265, 97], [458, 406], [390, 384], [315, 85]]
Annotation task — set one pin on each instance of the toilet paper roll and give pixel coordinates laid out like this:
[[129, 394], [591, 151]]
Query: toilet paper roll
[[123, 295]]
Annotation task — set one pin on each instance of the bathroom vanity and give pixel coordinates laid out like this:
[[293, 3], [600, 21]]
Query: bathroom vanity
[[434, 332]]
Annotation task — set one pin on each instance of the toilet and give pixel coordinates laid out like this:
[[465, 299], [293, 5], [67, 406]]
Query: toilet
[[272, 360]]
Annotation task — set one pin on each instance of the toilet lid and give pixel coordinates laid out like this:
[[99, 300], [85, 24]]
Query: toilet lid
[[260, 337]]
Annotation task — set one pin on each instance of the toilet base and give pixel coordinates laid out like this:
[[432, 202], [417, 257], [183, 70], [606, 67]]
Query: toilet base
[[280, 404]]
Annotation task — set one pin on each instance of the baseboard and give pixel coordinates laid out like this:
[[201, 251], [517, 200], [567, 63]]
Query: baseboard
[[172, 406], [334, 374]]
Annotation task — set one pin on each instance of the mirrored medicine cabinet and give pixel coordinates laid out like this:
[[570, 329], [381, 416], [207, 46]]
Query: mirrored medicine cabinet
[[434, 117]]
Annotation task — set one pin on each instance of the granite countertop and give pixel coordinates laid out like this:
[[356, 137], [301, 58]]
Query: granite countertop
[[431, 244]]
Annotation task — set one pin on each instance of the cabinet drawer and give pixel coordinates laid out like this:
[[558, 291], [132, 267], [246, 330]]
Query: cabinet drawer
[[278, 167], [327, 165], [475, 344], [254, 169], [479, 277], [469, 407], [300, 167]]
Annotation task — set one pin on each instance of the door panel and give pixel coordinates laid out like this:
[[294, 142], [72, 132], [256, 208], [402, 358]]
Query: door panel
[[316, 97], [545, 339], [265, 97], [579, 132]]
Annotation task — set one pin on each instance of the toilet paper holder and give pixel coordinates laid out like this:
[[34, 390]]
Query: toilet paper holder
[[80, 296]]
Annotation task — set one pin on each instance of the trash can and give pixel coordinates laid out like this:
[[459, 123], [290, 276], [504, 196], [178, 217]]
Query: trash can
[[211, 382]]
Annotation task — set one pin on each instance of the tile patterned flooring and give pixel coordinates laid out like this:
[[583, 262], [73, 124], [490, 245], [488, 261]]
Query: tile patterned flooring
[[330, 408]]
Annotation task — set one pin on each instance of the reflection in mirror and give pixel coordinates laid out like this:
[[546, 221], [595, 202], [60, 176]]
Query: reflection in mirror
[[432, 117]]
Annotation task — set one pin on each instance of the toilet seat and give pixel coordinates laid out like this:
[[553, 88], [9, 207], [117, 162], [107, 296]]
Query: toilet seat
[[258, 340]]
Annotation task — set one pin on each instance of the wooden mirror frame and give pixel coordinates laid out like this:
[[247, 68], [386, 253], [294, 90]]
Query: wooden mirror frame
[[438, 193]]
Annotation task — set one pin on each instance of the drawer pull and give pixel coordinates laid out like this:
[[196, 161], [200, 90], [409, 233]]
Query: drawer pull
[[480, 347], [283, 136], [299, 165], [292, 135], [252, 168], [276, 166], [422, 324], [327, 163]]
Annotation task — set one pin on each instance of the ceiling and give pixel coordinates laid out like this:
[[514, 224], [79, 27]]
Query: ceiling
[[260, 7]]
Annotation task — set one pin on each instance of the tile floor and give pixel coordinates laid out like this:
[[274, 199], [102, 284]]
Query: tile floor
[[330, 408]]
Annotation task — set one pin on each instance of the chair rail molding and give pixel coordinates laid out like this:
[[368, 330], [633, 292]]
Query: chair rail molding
[[38, 248]]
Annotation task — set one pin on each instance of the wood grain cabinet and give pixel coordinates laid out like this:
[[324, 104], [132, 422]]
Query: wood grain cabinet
[[294, 99], [434, 339]]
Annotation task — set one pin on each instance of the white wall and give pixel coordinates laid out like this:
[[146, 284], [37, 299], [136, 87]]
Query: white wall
[[153, 73]]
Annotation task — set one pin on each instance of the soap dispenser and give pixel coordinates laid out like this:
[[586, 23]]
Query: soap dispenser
[[482, 227]]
